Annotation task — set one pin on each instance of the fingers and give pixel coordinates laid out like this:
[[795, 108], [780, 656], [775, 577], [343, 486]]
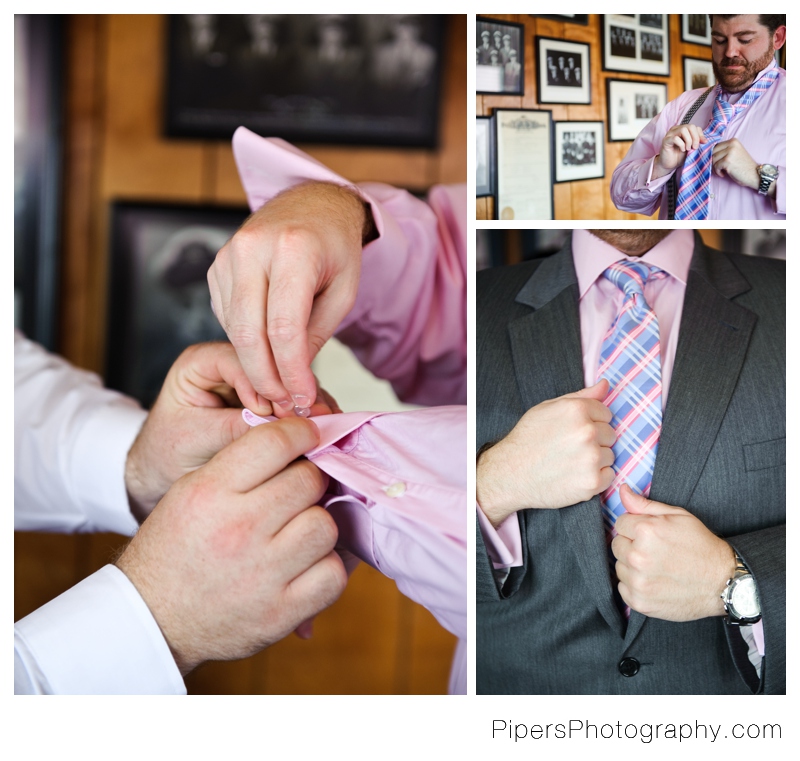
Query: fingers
[[303, 541], [289, 494], [291, 297], [686, 137], [639, 505], [318, 587], [263, 452], [210, 374], [245, 322], [598, 392], [606, 437]]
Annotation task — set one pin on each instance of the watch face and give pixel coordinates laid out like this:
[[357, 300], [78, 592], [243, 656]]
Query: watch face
[[744, 598], [768, 170]]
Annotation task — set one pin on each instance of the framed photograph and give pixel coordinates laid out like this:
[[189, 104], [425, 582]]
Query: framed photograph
[[637, 43], [499, 57], [697, 73], [696, 28], [563, 74], [158, 298], [579, 151], [631, 105], [570, 18], [485, 161], [361, 79], [524, 164]]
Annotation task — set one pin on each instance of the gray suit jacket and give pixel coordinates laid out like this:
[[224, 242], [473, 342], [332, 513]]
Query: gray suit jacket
[[554, 627]]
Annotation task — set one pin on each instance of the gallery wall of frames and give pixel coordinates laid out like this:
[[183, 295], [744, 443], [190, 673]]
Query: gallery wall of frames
[[577, 89]]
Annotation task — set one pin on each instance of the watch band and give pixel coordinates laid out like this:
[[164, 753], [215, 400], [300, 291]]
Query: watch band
[[766, 179]]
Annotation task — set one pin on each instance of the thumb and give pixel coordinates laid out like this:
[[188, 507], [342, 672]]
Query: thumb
[[599, 391], [639, 505]]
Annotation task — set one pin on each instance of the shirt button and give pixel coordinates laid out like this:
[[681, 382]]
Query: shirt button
[[628, 667], [711, 196], [397, 489]]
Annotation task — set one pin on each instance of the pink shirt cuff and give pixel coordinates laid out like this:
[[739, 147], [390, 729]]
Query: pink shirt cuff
[[504, 544]]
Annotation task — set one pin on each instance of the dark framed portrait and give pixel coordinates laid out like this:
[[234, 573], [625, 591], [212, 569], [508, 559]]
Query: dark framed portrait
[[696, 28], [631, 105], [322, 78], [485, 160], [578, 151], [697, 73], [636, 43], [570, 18], [499, 57], [158, 294], [562, 69]]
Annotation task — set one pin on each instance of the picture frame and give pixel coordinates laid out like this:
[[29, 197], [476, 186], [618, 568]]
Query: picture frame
[[696, 28], [319, 78], [697, 72], [499, 57], [563, 71], [158, 301], [485, 159], [568, 18], [524, 156], [631, 105], [636, 43], [578, 150]]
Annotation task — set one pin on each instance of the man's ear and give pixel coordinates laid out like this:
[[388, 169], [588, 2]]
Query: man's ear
[[779, 38]]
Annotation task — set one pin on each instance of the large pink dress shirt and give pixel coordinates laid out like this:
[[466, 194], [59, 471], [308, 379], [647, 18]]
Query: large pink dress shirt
[[762, 131], [400, 478], [599, 304]]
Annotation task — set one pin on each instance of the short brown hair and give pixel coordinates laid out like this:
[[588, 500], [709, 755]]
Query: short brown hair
[[770, 22]]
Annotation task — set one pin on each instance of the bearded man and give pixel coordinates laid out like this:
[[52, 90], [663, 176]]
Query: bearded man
[[717, 153]]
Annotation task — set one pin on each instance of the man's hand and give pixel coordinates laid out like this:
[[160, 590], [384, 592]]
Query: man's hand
[[669, 565], [233, 558], [558, 454], [283, 283], [730, 159], [197, 413], [681, 139]]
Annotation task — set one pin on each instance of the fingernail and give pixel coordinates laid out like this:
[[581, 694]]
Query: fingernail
[[301, 400], [285, 404]]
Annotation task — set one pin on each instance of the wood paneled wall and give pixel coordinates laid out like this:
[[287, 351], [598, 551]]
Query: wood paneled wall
[[374, 640], [584, 199]]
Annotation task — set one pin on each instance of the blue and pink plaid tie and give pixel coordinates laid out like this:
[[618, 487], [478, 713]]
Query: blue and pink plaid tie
[[630, 359], [693, 194]]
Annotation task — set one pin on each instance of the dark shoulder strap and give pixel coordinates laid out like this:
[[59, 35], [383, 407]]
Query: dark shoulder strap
[[672, 185]]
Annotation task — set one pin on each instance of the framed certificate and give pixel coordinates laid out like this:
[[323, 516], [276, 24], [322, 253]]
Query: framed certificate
[[524, 164], [485, 161]]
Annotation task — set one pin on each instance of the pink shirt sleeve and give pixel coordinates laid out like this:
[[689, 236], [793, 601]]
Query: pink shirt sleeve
[[408, 324]]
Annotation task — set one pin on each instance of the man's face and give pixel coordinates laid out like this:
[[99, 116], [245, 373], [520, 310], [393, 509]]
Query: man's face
[[632, 242], [561, 62], [740, 49]]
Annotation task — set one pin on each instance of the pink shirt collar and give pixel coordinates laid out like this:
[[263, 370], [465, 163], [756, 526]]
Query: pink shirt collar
[[592, 256]]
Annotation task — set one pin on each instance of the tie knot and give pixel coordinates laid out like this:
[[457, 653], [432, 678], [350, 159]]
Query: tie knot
[[630, 277]]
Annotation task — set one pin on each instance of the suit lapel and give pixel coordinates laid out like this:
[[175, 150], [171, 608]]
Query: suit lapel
[[712, 346], [548, 363]]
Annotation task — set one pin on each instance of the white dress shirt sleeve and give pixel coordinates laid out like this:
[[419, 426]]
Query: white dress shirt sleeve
[[71, 441], [97, 638]]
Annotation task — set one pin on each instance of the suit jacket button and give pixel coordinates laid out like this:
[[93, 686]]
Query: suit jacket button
[[628, 667]]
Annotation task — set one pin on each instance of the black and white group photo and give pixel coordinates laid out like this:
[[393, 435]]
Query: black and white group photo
[[646, 105], [579, 148], [652, 46], [564, 69], [623, 42], [498, 57]]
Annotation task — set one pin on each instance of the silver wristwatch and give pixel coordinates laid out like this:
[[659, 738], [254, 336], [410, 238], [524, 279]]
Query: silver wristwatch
[[768, 174], [740, 597]]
